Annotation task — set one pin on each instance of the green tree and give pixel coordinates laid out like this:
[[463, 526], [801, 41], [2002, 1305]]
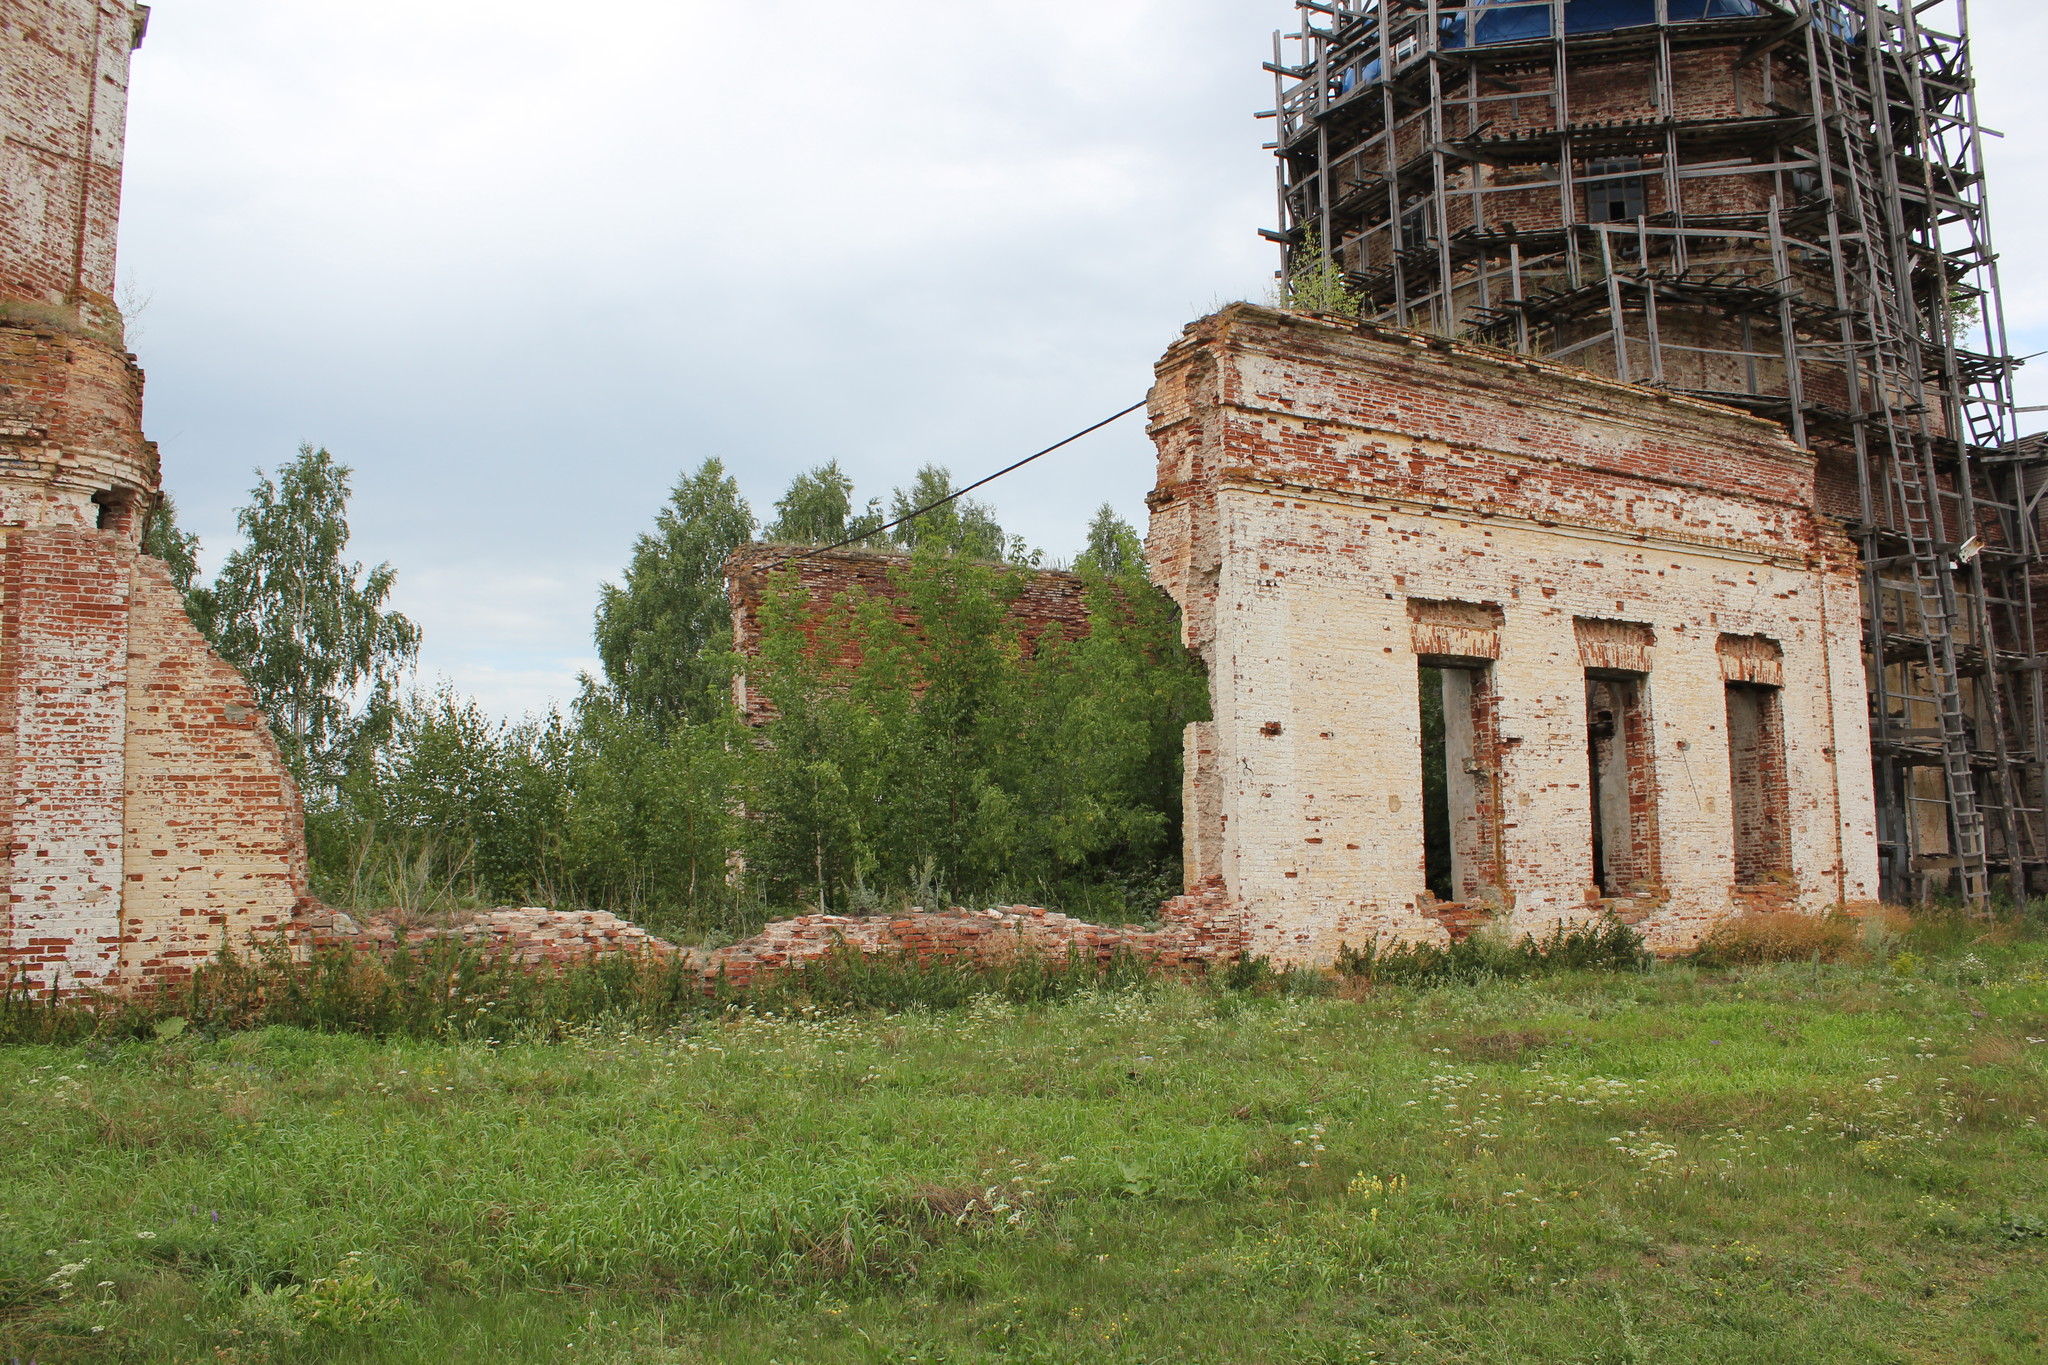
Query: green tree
[[959, 757], [1114, 549], [653, 819], [665, 637], [815, 510], [307, 628], [960, 527], [458, 799], [178, 549]]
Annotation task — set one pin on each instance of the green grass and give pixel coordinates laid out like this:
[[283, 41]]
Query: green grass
[[1801, 1163]]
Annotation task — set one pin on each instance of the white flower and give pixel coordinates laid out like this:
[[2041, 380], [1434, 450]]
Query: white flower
[[146, 1236]]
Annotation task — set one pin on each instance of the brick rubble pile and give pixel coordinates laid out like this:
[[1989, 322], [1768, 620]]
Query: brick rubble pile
[[1194, 930]]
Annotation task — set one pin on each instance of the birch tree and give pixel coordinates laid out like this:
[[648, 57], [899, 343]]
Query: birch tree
[[306, 626]]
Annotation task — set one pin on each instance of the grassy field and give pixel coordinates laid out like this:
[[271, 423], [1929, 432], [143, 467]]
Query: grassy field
[[1792, 1163]]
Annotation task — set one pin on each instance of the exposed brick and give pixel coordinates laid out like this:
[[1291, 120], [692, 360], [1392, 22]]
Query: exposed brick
[[149, 817], [1047, 600], [64, 93], [1197, 930], [1336, 503]]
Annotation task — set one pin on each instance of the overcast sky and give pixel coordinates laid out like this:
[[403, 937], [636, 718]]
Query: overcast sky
[[521, 263]]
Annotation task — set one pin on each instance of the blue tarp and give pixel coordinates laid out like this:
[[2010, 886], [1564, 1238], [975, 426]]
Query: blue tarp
[[1365, 73], [1598, 16], [1510, 23], [1715, 9], [1515, 23]]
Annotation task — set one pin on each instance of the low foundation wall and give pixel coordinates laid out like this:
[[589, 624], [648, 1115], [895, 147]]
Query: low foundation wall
[[1194, 931]]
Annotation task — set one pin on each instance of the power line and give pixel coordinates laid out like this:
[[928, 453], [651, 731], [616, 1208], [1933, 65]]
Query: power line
[[960, 492]]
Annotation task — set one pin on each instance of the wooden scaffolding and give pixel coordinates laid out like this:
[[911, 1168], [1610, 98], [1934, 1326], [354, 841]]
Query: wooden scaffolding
[[1776, 204]]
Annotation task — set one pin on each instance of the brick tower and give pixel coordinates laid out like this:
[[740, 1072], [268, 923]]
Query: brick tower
[[1775, 205], [149, 817]]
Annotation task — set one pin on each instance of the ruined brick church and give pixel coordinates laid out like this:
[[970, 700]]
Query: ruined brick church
[[1624, 514], [1655, 414], [149, 817], [1666, 436]]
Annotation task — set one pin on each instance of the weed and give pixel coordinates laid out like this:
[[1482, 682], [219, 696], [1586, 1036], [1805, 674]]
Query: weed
[[1603, 945], [1780, 936], [449, 990]]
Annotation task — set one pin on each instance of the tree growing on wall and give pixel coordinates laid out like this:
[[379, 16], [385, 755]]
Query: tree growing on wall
[[665, 636], [306, 626], [177, 548], [1315, 283]]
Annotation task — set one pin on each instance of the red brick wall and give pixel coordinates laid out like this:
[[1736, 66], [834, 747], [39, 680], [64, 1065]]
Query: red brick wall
[[214, 841], [63, 102], [1049, 600], [1488, 444], [63, 670], [70, 427], [1195, 930], [149, 818], [1762, 789]]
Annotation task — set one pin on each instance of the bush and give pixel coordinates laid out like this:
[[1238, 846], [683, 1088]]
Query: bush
[[1603, 945], [1780, 936], [927, 747]]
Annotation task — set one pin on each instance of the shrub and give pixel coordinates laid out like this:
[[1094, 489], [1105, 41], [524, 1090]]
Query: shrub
[[927, 746], [1780, 936], [1605, 944]]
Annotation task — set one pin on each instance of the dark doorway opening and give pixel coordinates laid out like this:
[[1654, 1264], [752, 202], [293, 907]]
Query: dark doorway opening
[[1623, 795], [1460, 780], [1436, 788]]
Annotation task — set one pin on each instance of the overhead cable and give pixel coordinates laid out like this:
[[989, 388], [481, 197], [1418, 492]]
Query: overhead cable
[[959, 492]]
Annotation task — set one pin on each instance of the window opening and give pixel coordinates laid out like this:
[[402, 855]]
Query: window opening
[[1415, 225], [1623, 785], [1613, 194], [110, 509], [1759, 799]]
